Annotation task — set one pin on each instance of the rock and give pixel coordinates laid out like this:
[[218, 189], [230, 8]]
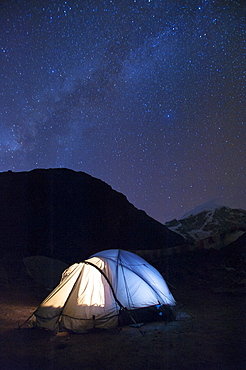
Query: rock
[[45, 271]]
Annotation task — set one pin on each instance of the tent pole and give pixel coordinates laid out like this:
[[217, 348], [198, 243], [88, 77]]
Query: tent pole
[[116, 299]]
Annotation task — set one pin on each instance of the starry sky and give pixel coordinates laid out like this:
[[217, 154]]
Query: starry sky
[[146, 95]]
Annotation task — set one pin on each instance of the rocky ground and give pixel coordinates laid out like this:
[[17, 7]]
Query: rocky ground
[[209, 332]]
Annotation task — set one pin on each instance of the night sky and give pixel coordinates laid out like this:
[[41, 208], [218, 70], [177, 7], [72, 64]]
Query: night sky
[[146, 95]]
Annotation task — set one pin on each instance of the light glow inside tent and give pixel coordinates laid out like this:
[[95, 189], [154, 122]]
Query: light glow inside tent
[[93, 292], [98, 292]]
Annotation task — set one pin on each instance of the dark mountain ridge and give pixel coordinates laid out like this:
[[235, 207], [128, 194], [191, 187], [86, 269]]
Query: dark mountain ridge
[[69, 215]]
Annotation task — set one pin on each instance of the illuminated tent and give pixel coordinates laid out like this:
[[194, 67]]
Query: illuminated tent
[[111, 286]]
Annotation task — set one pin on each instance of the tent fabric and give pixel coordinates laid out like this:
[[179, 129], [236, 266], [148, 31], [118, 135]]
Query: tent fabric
[[92, 293]]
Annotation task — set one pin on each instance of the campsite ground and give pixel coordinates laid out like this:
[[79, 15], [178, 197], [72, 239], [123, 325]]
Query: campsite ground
[[209, 332]]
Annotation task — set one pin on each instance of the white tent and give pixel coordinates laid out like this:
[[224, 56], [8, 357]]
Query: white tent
[[94, 293]]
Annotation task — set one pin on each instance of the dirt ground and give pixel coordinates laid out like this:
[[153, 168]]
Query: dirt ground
[[209, 332]]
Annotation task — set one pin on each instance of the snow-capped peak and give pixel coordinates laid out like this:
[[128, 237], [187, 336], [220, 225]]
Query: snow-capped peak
[[208, 206], [210, 220]]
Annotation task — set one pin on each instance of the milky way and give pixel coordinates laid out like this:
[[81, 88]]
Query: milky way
[[145, 95]]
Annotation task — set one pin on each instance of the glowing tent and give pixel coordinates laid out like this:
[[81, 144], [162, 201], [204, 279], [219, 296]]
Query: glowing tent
[[110, 286]]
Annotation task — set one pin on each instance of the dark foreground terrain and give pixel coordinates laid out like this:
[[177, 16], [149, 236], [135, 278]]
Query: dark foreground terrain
[[209, 332]]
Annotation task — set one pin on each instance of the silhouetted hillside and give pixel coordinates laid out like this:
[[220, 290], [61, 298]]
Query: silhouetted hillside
[[69, 215]]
